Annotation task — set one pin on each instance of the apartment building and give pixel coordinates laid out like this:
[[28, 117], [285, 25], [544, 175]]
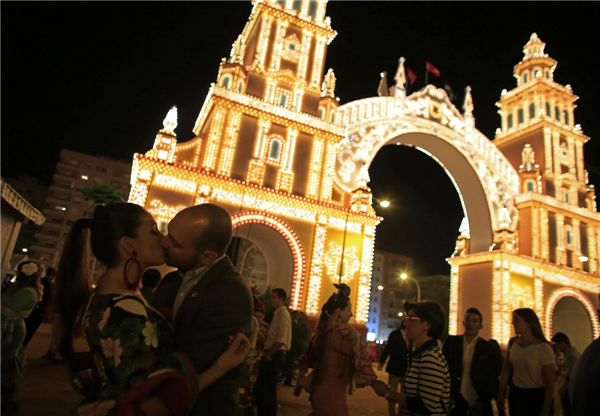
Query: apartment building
[[65, 203], [388, 293]]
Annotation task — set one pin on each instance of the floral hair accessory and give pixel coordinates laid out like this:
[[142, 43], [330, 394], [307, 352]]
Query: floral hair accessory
[[260, 307], [29, 269], [343, 288], [103, 194]]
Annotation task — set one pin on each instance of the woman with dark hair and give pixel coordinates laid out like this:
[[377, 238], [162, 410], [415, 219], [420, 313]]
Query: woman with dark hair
[[530, 361], [17, 304], [338, 355], [135, 369], [426, 386]]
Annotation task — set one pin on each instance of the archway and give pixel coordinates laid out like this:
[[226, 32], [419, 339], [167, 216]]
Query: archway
[[486, 181], [571, 312], [282, 249]]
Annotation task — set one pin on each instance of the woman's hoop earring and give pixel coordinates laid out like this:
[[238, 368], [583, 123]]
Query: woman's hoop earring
[[136, 283], [339, 319]]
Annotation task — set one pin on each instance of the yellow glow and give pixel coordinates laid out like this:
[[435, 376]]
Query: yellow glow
[[403, 276], [385, 204]]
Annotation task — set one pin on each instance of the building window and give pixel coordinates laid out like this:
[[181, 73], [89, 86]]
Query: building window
[[374, 320], [510, 121], [274, 150], [240, 85], [569, 237], [321, 113], [283, 99], [74, 163], [282, 2], [530, 186], [226, 81], [100, 169], [520, 115], [375, 299], [566, 116], [374, 310], [525, 77], [567, 196], [531, 111], [84, 177], [332, 117], [557, 113], [60, 208], [312, 9], [547, 74], [536, 73], [548, 110], [297, 5]]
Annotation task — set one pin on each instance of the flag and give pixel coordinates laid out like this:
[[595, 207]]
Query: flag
[[449, 91], [383, 88], [432, 69], [411, 76]]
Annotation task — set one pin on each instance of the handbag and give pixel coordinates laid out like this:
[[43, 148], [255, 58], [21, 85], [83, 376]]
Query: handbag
[[458, 405]]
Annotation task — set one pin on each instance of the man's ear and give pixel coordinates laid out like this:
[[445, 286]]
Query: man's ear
[[208, 256]]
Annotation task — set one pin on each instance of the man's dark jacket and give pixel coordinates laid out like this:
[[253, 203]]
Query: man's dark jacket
[[398, 353], [214, 309], [484, 368]]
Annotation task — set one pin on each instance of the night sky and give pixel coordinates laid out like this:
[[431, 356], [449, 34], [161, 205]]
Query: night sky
[[99, 77]]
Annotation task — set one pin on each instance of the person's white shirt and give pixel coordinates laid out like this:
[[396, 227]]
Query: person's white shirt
[[280, 330], [527, 364], [466, 386]]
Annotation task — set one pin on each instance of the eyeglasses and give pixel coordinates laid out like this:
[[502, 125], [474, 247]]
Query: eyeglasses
[[412, 318]]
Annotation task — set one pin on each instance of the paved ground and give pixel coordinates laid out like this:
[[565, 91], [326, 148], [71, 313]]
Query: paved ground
[[46, 389]]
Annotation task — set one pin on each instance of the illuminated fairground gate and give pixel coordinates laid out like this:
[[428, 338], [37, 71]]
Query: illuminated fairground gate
[[273, 147]]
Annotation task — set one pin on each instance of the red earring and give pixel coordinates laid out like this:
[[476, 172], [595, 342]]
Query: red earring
[[136, 283]]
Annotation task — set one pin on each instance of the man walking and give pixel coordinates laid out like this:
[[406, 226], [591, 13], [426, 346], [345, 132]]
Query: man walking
[[473, 365], [279, 339], [207, 297], [397, 350], [563, 344]]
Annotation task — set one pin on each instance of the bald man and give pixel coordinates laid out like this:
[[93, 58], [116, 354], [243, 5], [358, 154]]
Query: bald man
[[209, 300]]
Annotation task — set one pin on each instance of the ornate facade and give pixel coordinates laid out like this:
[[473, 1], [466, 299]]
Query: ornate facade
[[274, 148]]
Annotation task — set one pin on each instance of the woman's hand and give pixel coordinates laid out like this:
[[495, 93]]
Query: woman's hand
[[235, 354], [379, 387]]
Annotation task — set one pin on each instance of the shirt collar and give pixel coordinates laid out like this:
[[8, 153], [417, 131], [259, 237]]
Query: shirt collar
[[426, 345], [200, 270]]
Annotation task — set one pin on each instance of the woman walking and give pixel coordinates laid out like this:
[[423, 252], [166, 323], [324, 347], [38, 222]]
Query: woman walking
[[338, 355], [426, 387], [531, 363], [17, 304]]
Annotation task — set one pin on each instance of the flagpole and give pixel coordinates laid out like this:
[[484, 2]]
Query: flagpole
[[426, 73]]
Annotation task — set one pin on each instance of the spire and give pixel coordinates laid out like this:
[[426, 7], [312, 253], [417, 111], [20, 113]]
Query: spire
[[504, 218], [170, 121], [527, 158], [468, 105], [464, 228], [534, 48], [382, 90], [400, 79], [363, 177], [328, 87], [238, 49]]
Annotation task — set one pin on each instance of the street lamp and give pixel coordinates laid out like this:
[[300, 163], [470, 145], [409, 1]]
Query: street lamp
[[379, 287], [383, 203], [404, 276]]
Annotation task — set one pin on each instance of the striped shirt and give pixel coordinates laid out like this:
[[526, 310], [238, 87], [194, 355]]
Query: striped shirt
[[427, 382]]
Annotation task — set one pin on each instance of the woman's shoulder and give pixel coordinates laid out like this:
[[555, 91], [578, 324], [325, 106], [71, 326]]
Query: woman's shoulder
[[128, 303]]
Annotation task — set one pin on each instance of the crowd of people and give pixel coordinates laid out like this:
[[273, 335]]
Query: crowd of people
[[198, 341]]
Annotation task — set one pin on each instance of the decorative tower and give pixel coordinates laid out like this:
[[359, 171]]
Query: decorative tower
[[540, 138], [265, 148]]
